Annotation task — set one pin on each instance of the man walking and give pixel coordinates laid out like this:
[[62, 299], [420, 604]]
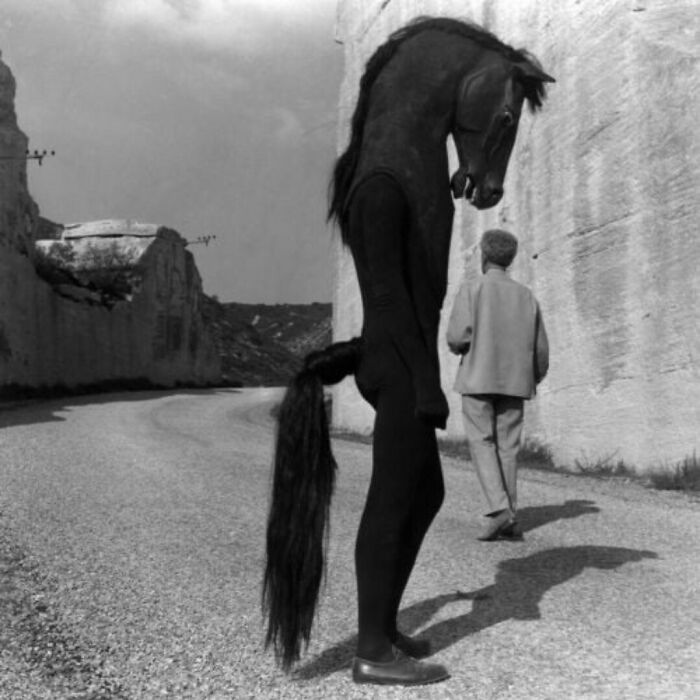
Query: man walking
[[497, 327]]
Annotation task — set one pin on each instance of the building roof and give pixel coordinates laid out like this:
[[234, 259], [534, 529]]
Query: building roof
[[109, 228]]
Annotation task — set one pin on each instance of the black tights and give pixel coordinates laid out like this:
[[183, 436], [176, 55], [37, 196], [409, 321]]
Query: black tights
[[405, 493]]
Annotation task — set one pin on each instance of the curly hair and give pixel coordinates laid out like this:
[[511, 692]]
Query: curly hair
[[499, 247]]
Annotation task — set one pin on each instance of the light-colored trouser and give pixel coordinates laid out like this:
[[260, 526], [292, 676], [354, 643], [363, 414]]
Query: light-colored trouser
[[493, 424]]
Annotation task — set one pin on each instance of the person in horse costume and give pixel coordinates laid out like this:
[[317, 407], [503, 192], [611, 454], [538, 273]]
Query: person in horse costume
[[390, 195]]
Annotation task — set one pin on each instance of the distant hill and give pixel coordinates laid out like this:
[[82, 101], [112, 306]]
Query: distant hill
[[264, 344]]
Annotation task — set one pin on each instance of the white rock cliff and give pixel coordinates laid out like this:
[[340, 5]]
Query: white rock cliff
[[64, 334], [603, 192]]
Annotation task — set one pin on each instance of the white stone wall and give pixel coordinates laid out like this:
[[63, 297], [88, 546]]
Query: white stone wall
[[604, 188], [159, 335]]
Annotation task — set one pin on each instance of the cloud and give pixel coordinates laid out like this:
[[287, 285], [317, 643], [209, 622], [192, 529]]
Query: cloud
[[57, 8], [239, 26]]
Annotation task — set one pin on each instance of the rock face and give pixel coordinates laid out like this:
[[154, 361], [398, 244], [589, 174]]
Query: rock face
[[19, 213], [264, 344], [602, 191], [117, 301]]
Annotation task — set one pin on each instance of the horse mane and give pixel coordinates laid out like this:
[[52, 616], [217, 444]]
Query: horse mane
[[346, 164]]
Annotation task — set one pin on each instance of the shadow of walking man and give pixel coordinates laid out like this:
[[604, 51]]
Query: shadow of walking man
[[519, 587], [533, 517]]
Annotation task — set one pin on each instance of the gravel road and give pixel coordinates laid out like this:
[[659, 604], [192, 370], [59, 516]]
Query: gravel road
[[131, 541]]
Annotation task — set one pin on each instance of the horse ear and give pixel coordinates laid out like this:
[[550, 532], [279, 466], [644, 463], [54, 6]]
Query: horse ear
[[529, 71]]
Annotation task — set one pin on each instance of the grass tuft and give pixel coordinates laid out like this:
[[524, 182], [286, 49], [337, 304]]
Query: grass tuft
[[684, 476], [535, 455], [603, 466]]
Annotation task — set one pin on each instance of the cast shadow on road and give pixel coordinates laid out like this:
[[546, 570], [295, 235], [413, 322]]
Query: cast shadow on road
[[44, 410], [533, 517], [519, 586]]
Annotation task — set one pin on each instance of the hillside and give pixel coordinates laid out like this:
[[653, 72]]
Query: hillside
[[263, 344]]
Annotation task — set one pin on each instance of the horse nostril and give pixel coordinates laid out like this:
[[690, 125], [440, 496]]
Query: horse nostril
[[496, 194]]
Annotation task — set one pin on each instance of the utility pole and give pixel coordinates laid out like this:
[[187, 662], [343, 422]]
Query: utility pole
[[28, 155], [203, 240]]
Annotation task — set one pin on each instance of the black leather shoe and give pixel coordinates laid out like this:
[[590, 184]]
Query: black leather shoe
[[401, 670], [417, 648]]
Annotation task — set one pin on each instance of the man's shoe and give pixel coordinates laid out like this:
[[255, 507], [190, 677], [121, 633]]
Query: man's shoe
[[512, 532], [417, 648], [498, 523], [401, 670]]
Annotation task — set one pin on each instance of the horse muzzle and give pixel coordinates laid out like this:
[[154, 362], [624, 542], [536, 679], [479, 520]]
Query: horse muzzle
[[486, 198], [462, 184]]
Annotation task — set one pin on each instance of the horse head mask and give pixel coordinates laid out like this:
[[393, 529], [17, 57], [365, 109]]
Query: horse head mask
[[487, 113], [432, 78]]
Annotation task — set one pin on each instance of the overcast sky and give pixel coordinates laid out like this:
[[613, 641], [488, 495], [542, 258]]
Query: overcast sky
[[213, 117]]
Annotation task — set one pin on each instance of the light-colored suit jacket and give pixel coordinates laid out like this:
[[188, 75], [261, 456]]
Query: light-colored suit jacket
[[497, 327]]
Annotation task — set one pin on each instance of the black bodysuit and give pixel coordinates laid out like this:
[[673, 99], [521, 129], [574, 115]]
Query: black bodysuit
[[399, 376]]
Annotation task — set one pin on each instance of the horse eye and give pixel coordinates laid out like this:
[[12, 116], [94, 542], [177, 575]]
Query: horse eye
[[508, 118]]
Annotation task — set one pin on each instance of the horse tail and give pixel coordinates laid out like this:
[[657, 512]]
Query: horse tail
[[303, 481]]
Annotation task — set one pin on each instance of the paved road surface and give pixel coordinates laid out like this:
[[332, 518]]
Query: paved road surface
[[131, 531]]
